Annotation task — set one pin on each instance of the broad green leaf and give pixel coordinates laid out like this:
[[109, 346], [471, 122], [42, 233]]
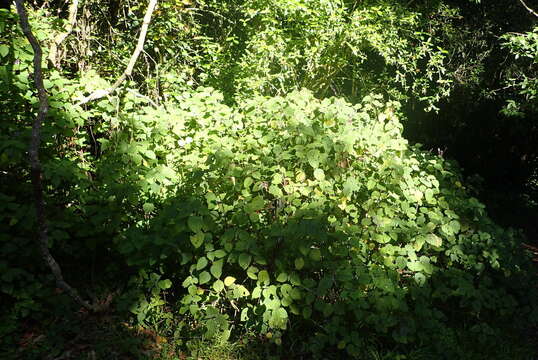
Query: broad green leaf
[[428, 195], [315, 254], [256, 293], [244, 260], [420, 279], [419, 242], [197, 239], [272, 303], [212, 328], [286, 301], [247, 182], [286, 289], [263, 277], [350, 186], [4, 50], [194, 309], [275, 190], [204, 277], [210, 197], [260, 260], [299, 263], [295, 309], [165, 284], [244, 314], [195, 223], [414, 266], [202, 263], [319, 174], [256, 204], [188, 281], [455, 226], [148, 207], [252, 272], [218, 286], [427, 267], [216, 268], [382, 238], [281, 313], [210, 255], [277, 179], [219, 253], [193, 290], [401, 263], [229, 280], [313, 158], [270, 291], [295, 294], [240, 291], [434, 240], [307, 312]]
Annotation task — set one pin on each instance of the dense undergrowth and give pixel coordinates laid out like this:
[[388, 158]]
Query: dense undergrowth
[[259, 200]]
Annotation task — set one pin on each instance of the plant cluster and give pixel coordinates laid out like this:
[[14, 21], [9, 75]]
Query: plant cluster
[[290, 213]]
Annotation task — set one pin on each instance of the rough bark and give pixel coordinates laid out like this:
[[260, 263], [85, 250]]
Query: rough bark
[[35, 164], [98, 94]]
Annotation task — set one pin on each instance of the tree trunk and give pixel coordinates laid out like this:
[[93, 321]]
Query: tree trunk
[[35, 164]]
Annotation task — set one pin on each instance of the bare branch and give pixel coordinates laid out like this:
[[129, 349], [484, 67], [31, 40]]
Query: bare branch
[[134, 57], [53, 54], [35, 164], [528, 8]]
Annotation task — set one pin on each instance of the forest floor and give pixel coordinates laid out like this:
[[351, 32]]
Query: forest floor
[[82, 335]]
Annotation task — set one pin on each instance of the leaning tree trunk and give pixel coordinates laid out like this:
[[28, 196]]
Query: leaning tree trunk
[[35, 164]]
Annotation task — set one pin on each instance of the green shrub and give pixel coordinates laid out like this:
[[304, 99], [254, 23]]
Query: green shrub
[[294, 215]]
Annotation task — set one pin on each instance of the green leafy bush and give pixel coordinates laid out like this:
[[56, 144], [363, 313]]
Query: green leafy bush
[[291, 213]]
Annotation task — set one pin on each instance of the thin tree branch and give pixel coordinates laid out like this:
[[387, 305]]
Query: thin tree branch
[[528, 8], [98, 94], [53, 54], [35, 164]]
